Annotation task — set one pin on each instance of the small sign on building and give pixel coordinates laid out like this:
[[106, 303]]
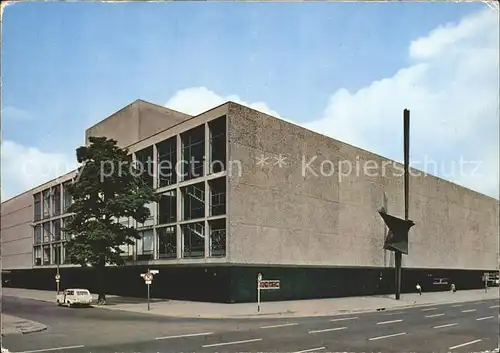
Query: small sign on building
[[269, 284]]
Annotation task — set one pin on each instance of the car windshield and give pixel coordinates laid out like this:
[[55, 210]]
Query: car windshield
[[82, 292]]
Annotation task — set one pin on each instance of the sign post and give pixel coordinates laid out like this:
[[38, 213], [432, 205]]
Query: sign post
[[58, 279], [259, 278], [148, 279], [265, 285]]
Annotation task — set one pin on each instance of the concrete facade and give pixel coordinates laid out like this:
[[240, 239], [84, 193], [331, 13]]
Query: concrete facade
[[292, 210], [294, 215], [136, 122]]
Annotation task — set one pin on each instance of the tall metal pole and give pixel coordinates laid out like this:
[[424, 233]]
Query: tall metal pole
[[57, 272], [406, 142], [148, 296]]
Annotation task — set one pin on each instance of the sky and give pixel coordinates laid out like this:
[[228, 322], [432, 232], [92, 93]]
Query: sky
[[346, 70]]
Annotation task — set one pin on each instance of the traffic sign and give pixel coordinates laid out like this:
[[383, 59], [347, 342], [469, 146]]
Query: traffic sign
[[148, 282], [259, 277], [269, 284], [57, 277]]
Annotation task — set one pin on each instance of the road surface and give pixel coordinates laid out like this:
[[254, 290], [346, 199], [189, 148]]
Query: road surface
[[462, 327]]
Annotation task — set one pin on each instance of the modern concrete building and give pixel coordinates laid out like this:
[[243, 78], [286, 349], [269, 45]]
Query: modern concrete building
[[263, 195]]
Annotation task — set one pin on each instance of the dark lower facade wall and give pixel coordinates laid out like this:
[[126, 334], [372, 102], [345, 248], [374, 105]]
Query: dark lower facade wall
[[233, 284]]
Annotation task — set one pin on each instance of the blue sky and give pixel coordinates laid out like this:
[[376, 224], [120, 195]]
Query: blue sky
[[67, 65]]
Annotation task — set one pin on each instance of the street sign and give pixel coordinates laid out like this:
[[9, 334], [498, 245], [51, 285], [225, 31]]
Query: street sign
[[269, 284], [148, 280]]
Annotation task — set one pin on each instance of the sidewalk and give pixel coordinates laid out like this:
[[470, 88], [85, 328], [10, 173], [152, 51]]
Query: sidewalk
[[283, 309], [16, 325]]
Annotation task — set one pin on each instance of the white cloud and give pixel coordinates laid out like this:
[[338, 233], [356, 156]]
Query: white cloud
[[196, 100], [26, 167], [15, 114], [452, 91]]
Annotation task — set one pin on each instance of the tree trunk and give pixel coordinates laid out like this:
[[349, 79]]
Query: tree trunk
[[101, 285]]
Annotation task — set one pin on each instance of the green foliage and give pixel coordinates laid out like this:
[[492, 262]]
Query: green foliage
[[107, 187]]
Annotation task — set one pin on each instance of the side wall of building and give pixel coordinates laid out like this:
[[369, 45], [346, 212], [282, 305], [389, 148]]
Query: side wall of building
[[298, 215], [135, 122], [16, 232]]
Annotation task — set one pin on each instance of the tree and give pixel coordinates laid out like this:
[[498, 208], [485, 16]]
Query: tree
[[108, 186]]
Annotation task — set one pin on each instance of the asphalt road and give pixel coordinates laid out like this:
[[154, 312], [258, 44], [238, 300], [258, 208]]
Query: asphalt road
[[464, 327]]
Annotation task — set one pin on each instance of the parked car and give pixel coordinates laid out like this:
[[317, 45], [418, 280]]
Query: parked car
[[74, 297]]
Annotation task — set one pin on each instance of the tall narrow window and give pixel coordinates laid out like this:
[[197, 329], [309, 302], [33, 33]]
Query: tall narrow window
[[37, 199], [37, 234], [150, 220], [46, 203], [145, 164], [193, 200], [145, 245], [167, 207], [193, 153], [167, 159], [67, 199], [56, 200], [57, 254], [167, 242], [217, 237], [46, 232], [56, 229], [37, 252], [217, 196], [193, 239], [46, 254], [217, 130]]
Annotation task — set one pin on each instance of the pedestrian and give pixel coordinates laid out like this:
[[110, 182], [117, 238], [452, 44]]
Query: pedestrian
[[453, 288], [419, 289]]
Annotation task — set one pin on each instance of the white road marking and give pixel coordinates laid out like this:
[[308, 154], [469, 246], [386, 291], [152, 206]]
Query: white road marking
[[311, 350], [464, 344], [457, 305], [53, 349], [468, 310], [485, 318], [382, 337], [282, 325], [328, 329], [396, 313], [229, 343], [435, 315], [186, 335], [446, 325], [429, 309], [494, 306], [345, 318], [388, 322]]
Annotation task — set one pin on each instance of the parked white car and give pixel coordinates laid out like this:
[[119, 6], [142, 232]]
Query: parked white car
[[73, 297]]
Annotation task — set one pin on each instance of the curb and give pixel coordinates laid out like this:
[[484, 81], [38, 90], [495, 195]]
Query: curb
[[35, 330], [40, 328], [288, 314]]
